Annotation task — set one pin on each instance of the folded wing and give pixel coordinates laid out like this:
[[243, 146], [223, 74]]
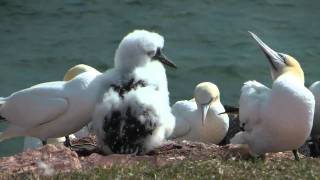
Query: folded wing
[[33, 107], [253, 97]]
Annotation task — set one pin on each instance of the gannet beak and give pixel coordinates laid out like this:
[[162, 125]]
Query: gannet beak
[[204, 111], [163, 59], [273, 57], [230, 110]]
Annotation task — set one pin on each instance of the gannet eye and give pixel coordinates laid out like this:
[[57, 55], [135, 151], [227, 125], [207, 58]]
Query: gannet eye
[[151, 53], [284, 59]]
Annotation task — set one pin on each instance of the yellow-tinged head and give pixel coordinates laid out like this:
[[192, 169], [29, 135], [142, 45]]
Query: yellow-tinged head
[[76, 70], [205, 95], [281, 64]]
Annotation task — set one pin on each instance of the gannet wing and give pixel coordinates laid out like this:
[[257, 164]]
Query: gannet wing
[[32, 107], [253, 96], [182, 110]]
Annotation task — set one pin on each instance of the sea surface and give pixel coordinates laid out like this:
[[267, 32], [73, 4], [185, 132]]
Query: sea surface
[[207, 39]]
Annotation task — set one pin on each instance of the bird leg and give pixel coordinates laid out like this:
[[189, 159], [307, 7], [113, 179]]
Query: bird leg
[[67, 142], [296, 156]]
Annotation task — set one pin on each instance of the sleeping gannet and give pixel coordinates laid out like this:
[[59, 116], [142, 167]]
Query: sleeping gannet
[[31, 142], [199, 119], [134, 115], [280, 118]]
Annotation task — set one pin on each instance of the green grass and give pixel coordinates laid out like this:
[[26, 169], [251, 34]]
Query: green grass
[[209, 169]]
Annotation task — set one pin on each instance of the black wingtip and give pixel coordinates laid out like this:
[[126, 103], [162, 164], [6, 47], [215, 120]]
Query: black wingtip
[[230, 110], [2, 119]]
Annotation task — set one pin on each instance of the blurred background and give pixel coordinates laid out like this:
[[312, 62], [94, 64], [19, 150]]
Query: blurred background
[[207, 39]]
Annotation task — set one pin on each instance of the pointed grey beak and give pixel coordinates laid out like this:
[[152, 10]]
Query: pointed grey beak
[[163, 59], [273, 57], [204, 111]]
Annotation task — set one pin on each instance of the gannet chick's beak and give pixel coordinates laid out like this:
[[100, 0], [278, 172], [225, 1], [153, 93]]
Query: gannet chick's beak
[[206, 94], [280, 63], [160, 56]]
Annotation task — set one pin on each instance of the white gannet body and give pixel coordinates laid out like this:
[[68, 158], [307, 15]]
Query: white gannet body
[[189, 115], [135, 115], [280, 118], [31, 142], [51, 110], [71, 73]]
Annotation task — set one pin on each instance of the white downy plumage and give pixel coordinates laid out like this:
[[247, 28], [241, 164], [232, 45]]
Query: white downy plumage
[[280, 118], [31, 142], [135, 116], [199, 119]]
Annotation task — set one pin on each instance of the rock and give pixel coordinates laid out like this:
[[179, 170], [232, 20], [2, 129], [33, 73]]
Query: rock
[[47, 160]]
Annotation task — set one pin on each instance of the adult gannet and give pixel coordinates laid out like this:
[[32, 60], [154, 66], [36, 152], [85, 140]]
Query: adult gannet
[[78, 69], [199, 119], [31, 142], [135, 115], [54, 109], [280, 118], [70, 74]]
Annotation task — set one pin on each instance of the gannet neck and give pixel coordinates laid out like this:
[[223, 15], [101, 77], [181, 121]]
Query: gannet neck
[[292, 69]]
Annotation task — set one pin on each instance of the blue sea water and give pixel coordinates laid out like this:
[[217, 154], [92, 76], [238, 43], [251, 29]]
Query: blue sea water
[[207, 39]]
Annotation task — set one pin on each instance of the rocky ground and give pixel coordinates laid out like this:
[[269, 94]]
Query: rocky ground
[[53, 159]]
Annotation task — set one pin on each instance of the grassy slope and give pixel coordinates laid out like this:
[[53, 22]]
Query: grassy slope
[[307, 168]]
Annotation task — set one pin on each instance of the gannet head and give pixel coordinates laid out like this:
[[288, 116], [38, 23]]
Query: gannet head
[[76, 70], [138, 48], [281, 64], [205, 95]]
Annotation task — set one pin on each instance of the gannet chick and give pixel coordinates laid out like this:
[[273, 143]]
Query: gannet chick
[[280, 118], [135, 115], [199, 119], [31, 142], [315, 133], [52, 109]]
